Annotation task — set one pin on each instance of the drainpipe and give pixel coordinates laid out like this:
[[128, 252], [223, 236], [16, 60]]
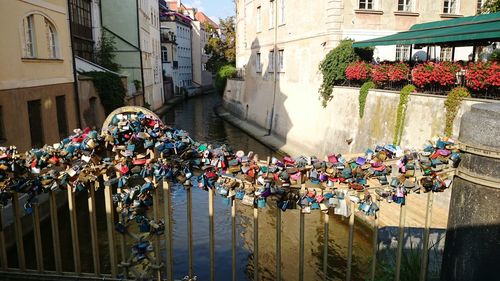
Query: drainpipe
[[275, 74], [140, 52], [75, 76]]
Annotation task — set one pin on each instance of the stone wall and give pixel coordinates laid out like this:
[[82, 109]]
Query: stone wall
[[301, 121]]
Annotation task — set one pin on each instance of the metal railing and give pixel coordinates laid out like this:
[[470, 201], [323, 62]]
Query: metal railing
[[121, 265]]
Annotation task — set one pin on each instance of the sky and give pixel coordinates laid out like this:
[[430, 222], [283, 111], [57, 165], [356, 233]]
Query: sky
[[215, 9]]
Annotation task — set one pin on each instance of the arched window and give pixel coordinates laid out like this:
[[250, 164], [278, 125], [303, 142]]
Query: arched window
[[29, 37], [52, 40]]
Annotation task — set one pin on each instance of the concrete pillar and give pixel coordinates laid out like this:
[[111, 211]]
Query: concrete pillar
[[472, 248]]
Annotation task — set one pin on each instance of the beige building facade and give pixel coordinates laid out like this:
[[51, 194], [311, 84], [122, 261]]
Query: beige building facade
[[280, 44], [37, 97]]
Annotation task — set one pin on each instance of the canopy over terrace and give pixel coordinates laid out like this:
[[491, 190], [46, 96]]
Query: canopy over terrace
[[466, 31]]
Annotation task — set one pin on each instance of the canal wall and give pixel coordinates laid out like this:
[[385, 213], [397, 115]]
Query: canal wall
[[302, 123]]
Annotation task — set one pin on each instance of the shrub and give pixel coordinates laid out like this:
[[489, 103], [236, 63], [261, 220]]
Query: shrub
[[483, 76], [401, 113], [380, 73], [452, 104], [395, 73], [225, 72], [333, 68], [110, 88], [359, 71], [363, 93]]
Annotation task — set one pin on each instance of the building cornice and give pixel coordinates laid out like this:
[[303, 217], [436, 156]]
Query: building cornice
[[46, 5]]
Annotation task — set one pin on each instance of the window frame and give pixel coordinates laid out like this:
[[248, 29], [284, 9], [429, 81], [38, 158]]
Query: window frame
[[402, 53], [281, 60], [281, 12], [258, 63], [366, 4], [259, 19], [271, 14], [53, 40], [447, 53], [452, 4], [408, 4], [271, 61], [29, 39]]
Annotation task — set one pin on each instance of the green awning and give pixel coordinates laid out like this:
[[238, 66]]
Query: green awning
[[458, 32]]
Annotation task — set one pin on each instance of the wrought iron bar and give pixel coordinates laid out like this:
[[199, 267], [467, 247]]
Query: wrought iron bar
[[55, 232], [425, 246], [38, 237], [233, 238], [19, 231], [156, 241]]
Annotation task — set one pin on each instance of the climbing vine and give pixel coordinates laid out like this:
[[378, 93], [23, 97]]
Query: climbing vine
[[401, 113], [110, 88], [363, 93], [452, 104]]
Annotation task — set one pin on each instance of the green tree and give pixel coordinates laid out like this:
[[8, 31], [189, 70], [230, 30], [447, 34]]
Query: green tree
[[105, 53], [221, 47], [491, 6]]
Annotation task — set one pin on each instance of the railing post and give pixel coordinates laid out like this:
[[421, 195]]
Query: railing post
[[351, 241], [326, 219], [168, 229], [301, 235], [3, 250], [93, 227], [399, 253], [190, 231], [211, 232], [54, 222], [425, 245], [156, 241], [74, 230], [38, 238], [233, 238], [255, 243], [19, 231], [375, 247], [278, 244], [124, 264], [110, 219]]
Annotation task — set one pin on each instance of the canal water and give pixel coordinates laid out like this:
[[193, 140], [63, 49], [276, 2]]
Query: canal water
[[197, 116]]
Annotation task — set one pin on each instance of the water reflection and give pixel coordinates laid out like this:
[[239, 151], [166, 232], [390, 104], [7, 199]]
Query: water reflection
[[197, 117]]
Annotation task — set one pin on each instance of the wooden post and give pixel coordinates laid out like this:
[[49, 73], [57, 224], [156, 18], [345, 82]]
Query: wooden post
[[233, 238], [278, 244], [190, 231], [326, 219], [156, 241], [3, 250], [255, 243], [375, 247], [55, 232], [211, 232], [301, 235], [122, 238]]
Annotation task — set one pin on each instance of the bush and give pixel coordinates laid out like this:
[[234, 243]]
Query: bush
[[452, 104], [363, 93], [333, 68], [430, 73], [225, 72], [404, 96], [110, 88]]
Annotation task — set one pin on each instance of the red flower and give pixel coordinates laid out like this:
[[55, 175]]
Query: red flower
[[357, 71], [482, 76]]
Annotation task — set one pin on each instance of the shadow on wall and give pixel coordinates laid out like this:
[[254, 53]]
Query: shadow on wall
[[258, 99]]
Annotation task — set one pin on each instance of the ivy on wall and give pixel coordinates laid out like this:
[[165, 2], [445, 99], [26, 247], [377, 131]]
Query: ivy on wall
[[452, 104], [110, 88], [404, 95], [363, 93]]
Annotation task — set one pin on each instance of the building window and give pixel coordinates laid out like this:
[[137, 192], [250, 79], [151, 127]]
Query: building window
[[35, 120], [479, 6], [282, 12], [365, 4], [450, 7], [29, 37], [271, 14], [258, 66], [164, 54], [445, 53], [52, 39], [281, 62], [402, 52], [271, 61], [62, 122], [405, 5], [259, 19]]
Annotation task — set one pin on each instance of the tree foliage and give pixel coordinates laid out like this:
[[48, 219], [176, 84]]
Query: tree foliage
[[491, 6], [225, 72], [105, 53], [110, 88], [221, 47]]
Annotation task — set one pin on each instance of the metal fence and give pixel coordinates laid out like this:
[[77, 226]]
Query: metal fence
[[121, 264]]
